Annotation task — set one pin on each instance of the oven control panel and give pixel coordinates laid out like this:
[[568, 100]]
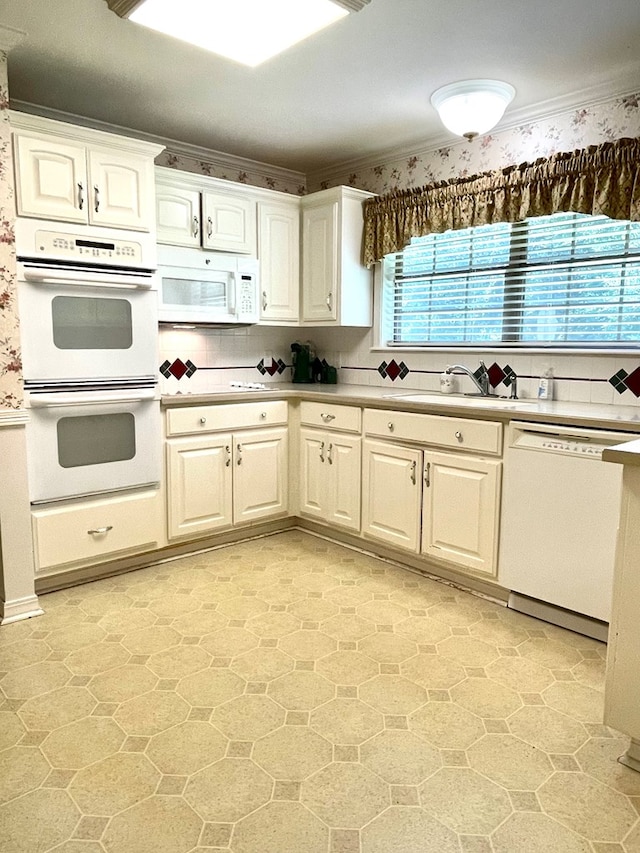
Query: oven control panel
[[54, 244]]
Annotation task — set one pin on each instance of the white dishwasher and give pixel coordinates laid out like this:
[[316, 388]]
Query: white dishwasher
[[560, 512]]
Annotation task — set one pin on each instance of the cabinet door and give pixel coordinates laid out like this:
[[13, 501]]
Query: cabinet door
[[51, 179], [229, 223], [391, 490], [344, 469], [320, 263], [199, 475], [178, 216], [279, 255], [460, 512], [313, 455], [121, 190], [260, 474]]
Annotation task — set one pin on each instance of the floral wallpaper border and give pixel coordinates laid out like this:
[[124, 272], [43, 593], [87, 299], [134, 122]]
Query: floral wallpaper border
[[11, 391]]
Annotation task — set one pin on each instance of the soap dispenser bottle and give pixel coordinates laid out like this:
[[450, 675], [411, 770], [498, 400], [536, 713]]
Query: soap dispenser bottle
[[545, 385]]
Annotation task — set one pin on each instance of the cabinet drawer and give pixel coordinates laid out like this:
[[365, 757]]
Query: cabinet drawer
[[126, 523], [190, 420], [345, 418], [458, 433]]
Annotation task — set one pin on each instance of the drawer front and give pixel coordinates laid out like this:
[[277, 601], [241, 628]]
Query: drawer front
[[456, 433], [96, 530], [190, 420], [328, 415]]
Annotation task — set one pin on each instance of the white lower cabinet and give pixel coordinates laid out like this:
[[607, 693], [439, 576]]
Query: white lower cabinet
[[93, 530], [330, 475], [392, 490], [460, 510], [217, 480]]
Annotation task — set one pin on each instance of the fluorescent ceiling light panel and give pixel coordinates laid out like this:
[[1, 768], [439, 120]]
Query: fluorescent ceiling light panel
[[249, 31]]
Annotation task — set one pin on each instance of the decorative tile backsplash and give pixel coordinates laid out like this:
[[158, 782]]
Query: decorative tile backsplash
[[623, 381], [392, 370]]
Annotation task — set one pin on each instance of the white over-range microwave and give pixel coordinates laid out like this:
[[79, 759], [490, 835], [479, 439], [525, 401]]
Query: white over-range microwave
[[206, 288]]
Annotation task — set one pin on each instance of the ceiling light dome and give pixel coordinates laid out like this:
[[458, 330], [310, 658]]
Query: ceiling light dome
[[472, 107]]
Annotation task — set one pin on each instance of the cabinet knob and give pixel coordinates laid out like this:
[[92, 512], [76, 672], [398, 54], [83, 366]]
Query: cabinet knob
[[327, 417], [203, 420], [100, 531], [263, 415], [391, 426], [459, 436]]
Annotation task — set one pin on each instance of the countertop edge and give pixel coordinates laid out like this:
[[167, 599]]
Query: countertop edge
[[625, 454]]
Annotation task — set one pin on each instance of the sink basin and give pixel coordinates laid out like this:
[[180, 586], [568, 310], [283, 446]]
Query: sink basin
[[460, 400]]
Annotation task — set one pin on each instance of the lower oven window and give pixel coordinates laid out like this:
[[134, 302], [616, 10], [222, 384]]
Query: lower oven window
[[96, 439], [89, 322]]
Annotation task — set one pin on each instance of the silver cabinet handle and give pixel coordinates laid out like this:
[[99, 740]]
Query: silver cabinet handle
[[329, 455], [227, 450], [327, 417], [459, 436], [414, 465], [264, 300], [330, 301], [239, 459], [96, 196], [203, 421], [427, 474], [209, 226], [196, 227], [100, 531], [80, 196], [390, 426], [263, 415], [322, 451]]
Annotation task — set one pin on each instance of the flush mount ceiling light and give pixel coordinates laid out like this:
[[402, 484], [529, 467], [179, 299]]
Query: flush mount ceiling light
[[472, 107], [248, 31]]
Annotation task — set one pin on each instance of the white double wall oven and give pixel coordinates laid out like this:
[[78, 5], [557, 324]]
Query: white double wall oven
[[89, 321]]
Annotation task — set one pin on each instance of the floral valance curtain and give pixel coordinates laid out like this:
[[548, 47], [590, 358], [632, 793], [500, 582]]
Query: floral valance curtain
[[600, 180]]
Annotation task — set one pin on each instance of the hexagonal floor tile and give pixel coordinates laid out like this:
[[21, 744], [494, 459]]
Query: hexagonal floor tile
[[105, 602], [114, 784], [21, 769], [23, 653], [148, 641], [274, 625], [485, 698], [155, 825], [400, 757], [520, 674], [550, 653], [446, 725], [262, 664], [308, 645], [383, 612], [392, 694], [151, 713], [347, 628], [75, 637], [465, 801], [454, 614], [346, 721], [510, 762], [174, 604], [579, 701], [345, 795], [528, 832], [422, 629], [199, 623], [248, 717], [83, 742], [313, 609], [11, 729], [281, 827], [210, 687], [27, 824], [92, 660], [127, 621], [407, 829], [186, 748], [35, 679], [469, 651], [229, 642], [179, 661], [292, 752], [348, 667], [435, 672], [547, 729], [57, 708], [228, 790], [301, 690], [122, 683], [387, 648], [242, 607]]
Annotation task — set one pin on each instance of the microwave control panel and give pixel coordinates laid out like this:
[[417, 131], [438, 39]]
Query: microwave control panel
[[247, 295]]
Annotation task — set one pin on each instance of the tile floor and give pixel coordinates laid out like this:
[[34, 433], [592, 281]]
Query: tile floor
[[288, 695]]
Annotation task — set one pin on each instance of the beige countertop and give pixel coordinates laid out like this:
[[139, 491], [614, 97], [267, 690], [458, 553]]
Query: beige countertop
[[594, 415], [626, 454]]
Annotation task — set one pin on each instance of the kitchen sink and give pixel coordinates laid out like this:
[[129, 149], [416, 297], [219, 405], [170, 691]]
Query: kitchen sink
[[463, 400]]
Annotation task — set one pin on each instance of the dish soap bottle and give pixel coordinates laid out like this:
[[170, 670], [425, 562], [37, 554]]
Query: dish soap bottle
[[545, 385]]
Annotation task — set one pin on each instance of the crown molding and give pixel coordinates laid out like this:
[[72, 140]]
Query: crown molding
[[443, 139], [217, 158], [10, 38]]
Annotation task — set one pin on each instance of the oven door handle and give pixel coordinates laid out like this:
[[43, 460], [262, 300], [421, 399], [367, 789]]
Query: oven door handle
[[42, 401], [83, 279]]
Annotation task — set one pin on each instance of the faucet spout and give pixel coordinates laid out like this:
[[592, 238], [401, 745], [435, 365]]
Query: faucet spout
[[481, 382]]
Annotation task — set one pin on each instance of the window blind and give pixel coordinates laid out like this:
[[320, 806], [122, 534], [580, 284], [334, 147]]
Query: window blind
[[566, 280]]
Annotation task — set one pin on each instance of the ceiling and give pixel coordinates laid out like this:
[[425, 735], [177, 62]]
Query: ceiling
[[357, 89]]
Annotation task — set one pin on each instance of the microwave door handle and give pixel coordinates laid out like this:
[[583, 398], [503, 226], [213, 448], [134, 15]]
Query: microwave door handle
[[41, 401], [233, 284], [51, 277]]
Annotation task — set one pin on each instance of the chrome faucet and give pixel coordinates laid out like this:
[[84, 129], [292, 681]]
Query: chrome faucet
[[513, 387], [481, 383]]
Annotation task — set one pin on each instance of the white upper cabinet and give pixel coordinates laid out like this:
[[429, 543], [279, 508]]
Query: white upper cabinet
[[178, 215], [279, 255], [336, 288], [71, 174], [229, 223]]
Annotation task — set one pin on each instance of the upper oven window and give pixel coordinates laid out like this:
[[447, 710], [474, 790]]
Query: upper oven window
[[90, 323], [96, 439]]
